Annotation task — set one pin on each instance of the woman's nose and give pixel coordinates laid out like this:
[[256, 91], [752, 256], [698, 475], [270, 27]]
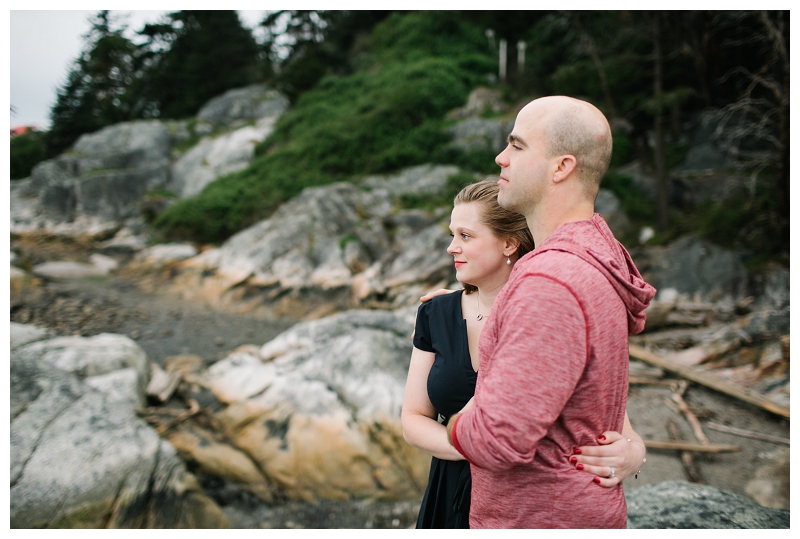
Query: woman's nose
[[452, 248]]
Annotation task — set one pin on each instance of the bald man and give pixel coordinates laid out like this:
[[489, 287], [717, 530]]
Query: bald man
[[554, 353]]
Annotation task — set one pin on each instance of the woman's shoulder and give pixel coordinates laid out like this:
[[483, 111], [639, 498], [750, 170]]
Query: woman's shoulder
[[443, 304]]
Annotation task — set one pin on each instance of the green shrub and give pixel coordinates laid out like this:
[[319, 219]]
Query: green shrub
[[27, 150], [631, 199], [383, 118]]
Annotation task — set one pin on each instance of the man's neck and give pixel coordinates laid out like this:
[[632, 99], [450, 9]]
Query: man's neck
[[543, 222]]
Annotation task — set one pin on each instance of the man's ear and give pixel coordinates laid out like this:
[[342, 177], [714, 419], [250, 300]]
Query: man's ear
[[565, 165]]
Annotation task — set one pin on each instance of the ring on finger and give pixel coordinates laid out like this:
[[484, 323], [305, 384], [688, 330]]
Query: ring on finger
[[612, 473]]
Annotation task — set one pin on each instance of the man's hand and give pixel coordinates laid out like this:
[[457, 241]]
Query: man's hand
[[431, 295], [453, 420], [427, 297]]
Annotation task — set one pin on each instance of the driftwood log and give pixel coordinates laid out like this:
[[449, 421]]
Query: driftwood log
[[708, 380]]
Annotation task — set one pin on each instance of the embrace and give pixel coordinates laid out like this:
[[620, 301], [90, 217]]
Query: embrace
[[517, 385]]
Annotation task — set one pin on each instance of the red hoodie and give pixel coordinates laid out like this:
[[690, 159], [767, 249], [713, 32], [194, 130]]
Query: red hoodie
[[553, 376]]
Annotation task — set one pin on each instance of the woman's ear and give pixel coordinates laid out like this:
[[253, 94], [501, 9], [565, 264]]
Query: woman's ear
[[510, 247]]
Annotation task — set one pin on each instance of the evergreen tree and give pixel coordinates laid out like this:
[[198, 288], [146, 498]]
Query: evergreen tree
[[96, 93], [193, 57], [306, 45]]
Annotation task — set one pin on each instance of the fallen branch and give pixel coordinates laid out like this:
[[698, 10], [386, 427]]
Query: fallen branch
[[708, 380], [636, 380], [688, 446], [689, 465], [748, 433], [193, 410], [677, 397]]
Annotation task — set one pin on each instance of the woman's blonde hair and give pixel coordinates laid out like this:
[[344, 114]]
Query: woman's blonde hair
[[502, 222]]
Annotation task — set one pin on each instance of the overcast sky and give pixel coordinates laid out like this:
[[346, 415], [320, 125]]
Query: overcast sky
[[43, 45]]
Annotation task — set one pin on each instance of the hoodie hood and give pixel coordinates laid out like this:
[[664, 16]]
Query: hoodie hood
[[594, 242]]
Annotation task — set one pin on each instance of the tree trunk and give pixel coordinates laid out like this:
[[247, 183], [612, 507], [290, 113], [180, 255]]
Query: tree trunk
[[660, 157]]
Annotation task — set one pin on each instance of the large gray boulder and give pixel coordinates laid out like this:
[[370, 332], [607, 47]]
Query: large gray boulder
[[213, 157], [317, 410], [242, 105], [684, 505], [476, 134], [330, 248], [607, 205], [251, 112], [80, 456], [107, 172], [695, 267]]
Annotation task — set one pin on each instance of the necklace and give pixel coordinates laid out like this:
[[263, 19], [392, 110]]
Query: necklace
[[478, 303]]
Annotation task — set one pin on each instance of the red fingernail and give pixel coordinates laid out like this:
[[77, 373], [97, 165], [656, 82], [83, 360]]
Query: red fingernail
[[573, 460], [577, 451], [602, 438], [579, 466], [596, 480]]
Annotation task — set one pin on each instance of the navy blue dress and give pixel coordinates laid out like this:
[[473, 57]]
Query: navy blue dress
[[441, 329]]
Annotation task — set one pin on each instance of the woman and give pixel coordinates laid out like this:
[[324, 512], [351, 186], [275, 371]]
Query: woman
[[487, 241]]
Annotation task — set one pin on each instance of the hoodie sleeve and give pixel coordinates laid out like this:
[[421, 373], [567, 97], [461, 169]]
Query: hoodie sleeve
[[539, 356]]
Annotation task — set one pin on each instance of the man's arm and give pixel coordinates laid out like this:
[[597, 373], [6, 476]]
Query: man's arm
[[535, 365]]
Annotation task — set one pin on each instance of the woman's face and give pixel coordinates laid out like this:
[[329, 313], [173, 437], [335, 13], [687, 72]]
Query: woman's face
[[477, 252]]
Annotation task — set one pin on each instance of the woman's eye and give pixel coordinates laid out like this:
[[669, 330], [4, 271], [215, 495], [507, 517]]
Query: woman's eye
[[464, 236]]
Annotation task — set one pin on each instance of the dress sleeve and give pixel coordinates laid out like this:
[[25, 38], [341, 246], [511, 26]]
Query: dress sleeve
[[422, 328]]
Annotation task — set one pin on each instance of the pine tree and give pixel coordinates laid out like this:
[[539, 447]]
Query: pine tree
[[96, 93], [195, 56]]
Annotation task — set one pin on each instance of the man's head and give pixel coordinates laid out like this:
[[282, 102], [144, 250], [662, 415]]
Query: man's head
[[557, 141]]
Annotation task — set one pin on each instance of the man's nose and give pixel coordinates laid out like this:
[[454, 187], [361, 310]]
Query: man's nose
[[501, 159]]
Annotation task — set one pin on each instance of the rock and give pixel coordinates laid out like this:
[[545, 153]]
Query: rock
[[21, 334], [770, 486], [695, 267], [242, 105], [771, 287], [420, 180], [319, 410], [328, 249], [165, 253], [684, 505], [479, 102], [68, 270], [124, 241], [217, 156], [19, 280], [480, 134], [704, 152], [106, 173], [607, 205], [103, 263], [80, 456]]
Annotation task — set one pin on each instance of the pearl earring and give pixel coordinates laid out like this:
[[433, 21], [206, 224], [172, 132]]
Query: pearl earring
[[508, 261]]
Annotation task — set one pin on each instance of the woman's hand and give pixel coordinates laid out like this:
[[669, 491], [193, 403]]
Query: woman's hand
[[625, 453]]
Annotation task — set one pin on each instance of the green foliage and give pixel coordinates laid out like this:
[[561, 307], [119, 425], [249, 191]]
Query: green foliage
[[744, 220], [208, 53], [622, 151], [373, 121], [631, 199], [27, 150], [98, 89]]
